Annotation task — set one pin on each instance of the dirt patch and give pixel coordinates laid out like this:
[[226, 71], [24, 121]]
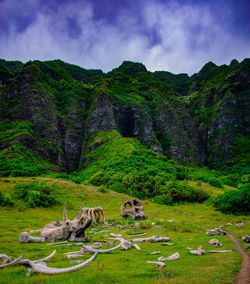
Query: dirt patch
[[243, 276]]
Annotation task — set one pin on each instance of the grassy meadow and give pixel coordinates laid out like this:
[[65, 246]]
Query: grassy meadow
[[186, 228]]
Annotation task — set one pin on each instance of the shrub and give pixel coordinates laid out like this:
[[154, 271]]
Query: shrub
[[216, 182], [98, 178], [235, 201], [163, 199], [18, 167], [119, 187], [37, 194], [183, 193], [5, 199], [102, 189], [181, 174]]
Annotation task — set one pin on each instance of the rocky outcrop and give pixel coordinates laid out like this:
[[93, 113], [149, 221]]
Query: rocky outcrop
[[195, 120], [174, 137]]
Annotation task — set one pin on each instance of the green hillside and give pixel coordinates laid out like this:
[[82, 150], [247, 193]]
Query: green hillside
[[186, 226]]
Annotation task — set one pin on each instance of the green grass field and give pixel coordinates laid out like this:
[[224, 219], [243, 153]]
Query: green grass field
[[187, 230]]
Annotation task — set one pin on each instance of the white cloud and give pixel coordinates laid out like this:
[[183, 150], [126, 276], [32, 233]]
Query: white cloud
[[188, 37]]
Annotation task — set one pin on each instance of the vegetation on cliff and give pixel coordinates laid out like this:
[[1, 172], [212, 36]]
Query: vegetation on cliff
[[147, 134]]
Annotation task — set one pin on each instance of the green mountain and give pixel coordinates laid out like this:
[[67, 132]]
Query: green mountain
[[59, 117]]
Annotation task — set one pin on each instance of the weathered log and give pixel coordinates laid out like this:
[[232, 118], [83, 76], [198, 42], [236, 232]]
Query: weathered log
[[5, 259], [24, 237], [136, 246], [155, 252], [84, 251], [152, 239], [66, 229], [174, 256], [42, 268], [197, 252], [115, 235], [12, 263], [74, 255], [213, 241], [135, 210], [45, 258], [99, 250]]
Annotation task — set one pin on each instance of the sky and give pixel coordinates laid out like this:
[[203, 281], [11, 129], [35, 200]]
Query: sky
[[178, 36]]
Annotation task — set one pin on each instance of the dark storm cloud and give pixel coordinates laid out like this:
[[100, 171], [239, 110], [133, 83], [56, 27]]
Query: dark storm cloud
[[179, 36]]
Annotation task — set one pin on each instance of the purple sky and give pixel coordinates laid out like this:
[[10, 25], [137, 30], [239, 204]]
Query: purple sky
[[178, 36]]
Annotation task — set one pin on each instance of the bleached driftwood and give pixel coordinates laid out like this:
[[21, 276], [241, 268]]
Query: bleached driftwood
[[115, 235], [24, 237], [5, 259], [197, 252], [216, 229], [83, 250], [132, 208], [152, 239], [88, 249], [155, 252], [11, 263], [174, 256], [66, 229], [95, 213], [43, 268], [136, 246], [213, 241]]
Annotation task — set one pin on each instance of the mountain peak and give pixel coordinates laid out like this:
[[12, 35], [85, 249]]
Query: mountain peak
[[131, 67]]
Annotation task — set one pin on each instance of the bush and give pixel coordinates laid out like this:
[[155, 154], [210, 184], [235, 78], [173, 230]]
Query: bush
[[37, 194], [163, 199], [18, 167], [235, 201], [182, 174], [118, 187], [98, 178], [183, 193], [5, 199], [216, 182], [102, 189]]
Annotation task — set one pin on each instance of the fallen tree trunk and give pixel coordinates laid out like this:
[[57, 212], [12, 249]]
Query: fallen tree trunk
[[153, 239]]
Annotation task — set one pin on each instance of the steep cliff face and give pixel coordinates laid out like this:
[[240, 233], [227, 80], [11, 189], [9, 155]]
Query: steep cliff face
[[190, 120], [220, 108]]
